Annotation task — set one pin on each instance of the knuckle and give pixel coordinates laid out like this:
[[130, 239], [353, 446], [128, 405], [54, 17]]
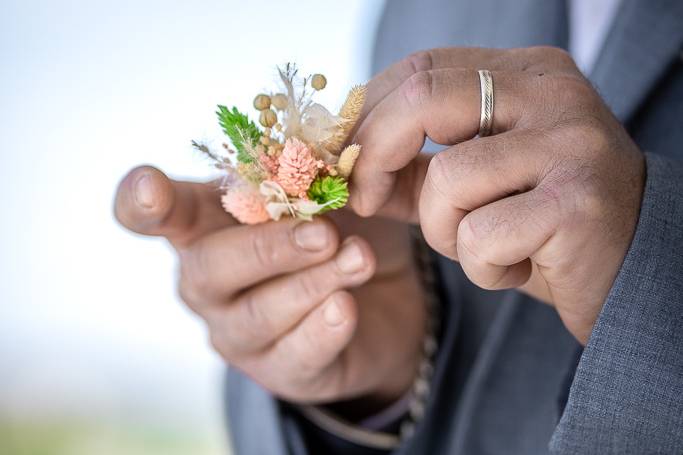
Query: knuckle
[[573, 189], [308, 368], [588, 138], [221, 343], [310, 287], [218, 343], [193, 278], [446, 246], [592, 203], [548, 51], [597, 136], [256, 321], [470, 235], [265, 251], [188, 294], [575, 87], [439, 173], [536, 55], [419, 61], [551, 192], [574, 98], [547, 57], [418, 89], [587, 193], [474, 157], [520, 58], [466, 236], [562, 58], [448, 170], [558, 53]]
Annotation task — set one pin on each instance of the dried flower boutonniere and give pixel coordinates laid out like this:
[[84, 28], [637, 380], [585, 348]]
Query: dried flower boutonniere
[[294, 164]]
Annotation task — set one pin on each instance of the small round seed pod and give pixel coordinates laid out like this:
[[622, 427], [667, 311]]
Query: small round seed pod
[[265, 140], [279, 101], [278, 127], [262, 102], [318, 81], [268, 118]]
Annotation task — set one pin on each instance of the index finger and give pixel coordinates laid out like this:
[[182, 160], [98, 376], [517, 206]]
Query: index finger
[[433, 59], [440, 104], [231, 260]]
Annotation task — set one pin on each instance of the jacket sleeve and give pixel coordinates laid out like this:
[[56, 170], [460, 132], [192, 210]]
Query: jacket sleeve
[[627, 394], [261, 424], [254, 418]]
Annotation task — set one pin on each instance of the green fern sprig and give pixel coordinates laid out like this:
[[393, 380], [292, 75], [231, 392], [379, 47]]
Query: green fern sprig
[[239, 129]]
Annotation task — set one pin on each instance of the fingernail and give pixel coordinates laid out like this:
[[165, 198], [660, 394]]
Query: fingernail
[[350, 259], [311, 236], [144, 192], [332, 314]]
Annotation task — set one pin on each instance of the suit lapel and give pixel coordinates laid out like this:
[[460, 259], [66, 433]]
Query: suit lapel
[[644, 41], [522, 23]]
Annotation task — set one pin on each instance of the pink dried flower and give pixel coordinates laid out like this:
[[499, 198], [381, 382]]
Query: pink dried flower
[[246, 205], [270, 164], [298, 168]]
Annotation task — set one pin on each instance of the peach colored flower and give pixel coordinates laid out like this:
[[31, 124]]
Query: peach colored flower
[[246, 205], [297, 168], [270, 164]]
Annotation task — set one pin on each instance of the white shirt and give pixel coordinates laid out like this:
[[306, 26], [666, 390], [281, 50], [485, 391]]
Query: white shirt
[[589, 24]]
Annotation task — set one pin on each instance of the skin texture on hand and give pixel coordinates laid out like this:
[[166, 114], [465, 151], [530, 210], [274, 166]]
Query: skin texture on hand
[[548, 203], [316, 312]]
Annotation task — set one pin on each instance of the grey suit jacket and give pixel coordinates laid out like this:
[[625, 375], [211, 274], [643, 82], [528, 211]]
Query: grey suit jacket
[[509, 378]]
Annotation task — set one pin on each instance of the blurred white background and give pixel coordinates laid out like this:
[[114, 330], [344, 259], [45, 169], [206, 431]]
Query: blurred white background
[[97, 355]]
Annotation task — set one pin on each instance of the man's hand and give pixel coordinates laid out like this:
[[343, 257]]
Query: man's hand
[[548, 203], [275, 296]]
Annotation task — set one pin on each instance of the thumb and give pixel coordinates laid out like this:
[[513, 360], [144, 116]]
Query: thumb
[[149, 203]]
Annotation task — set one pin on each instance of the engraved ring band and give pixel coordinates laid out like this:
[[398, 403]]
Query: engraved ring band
[[486, 116]]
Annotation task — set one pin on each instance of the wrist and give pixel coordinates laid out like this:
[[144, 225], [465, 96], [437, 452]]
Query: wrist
[[384, 419], [393, 390]]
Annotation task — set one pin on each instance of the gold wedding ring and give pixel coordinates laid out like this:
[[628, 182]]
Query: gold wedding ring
[[486, 116]]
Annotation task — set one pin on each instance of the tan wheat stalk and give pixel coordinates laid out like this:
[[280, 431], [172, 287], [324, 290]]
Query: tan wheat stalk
[[349, 114]]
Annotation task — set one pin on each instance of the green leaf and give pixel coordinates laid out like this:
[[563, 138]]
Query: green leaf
[[329, 190], [239, 129]]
